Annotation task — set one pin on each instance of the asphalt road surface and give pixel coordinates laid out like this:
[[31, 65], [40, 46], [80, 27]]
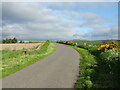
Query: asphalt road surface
[[60, 70]]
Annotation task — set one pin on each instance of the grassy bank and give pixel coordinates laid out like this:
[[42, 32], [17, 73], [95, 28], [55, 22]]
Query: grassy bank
[[106, 73], [100, 71], [98, 68], [87, 69], [13, 61]]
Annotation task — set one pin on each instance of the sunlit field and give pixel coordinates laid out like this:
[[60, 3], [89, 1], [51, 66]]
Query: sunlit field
[[19, 46], [18, 56]]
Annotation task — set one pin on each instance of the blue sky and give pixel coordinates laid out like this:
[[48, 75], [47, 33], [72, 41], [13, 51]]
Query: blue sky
[[60, 21]]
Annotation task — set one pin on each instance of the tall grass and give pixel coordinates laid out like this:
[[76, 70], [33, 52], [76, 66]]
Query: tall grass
[[13, 61]]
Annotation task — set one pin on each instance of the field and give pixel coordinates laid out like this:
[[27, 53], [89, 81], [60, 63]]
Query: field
[[16, 59], [19, 46], [99, 60], [99, 63]]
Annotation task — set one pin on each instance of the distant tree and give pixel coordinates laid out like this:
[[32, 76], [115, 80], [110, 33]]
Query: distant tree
[[47, 40], [30, 42], [14, 40], [7, 40], [10, 41], [21, 41], [3, 41]]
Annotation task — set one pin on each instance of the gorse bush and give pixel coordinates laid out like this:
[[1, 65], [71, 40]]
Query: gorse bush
[[104, 73], [108, 46], [108, 65], [66, 42]]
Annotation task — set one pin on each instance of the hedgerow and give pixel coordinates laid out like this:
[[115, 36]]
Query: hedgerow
[[106, 71]]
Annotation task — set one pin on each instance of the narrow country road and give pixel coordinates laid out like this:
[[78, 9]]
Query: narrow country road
[[60, 70]]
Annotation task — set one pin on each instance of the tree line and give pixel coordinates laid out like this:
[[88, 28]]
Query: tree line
[[11, 40]]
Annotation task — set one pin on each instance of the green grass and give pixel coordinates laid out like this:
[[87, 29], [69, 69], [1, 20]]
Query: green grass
[[87, 65], [107, 72], [98, 69], [0, 64], [93, 43], [108, 65], [13, 61]]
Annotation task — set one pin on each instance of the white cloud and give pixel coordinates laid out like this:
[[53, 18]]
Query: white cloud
[[23, 12], [103, 33], [39, 31], [38, 21]]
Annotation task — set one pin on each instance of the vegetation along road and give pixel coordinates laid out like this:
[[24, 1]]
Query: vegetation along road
[[60, 70]]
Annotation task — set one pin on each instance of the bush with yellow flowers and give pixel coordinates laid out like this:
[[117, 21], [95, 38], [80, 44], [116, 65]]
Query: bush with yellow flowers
[[70, 43], [108, 47], [66, 42], [62, 42], [104, 47]]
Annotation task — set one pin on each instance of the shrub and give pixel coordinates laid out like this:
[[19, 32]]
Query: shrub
[[108, 46], [66, 42]]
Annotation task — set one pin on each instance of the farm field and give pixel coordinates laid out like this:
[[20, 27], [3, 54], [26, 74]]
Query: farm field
[[60, 70], [99, 63], [19, 46], [18, 56]]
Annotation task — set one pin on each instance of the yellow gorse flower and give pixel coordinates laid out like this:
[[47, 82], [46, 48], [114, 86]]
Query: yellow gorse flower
[[106, 47], [66, 42]]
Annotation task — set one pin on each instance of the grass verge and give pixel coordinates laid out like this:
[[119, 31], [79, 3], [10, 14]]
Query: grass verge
[[98, 69], [87, 65], [13, 61]]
